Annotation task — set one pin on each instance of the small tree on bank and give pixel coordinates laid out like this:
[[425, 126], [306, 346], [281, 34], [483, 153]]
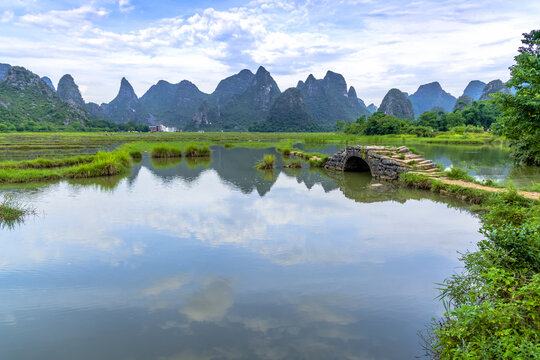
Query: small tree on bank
[[520, 120]]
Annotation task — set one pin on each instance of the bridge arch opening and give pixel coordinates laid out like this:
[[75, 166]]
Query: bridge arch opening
[[356, 164]]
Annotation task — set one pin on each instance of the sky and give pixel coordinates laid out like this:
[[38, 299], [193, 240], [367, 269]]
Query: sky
[[375, 45]]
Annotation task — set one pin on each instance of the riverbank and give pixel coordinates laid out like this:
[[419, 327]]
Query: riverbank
[[492, 306]]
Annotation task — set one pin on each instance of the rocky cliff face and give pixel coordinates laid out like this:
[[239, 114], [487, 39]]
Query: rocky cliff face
[[25, 96], [253, 105], [327, 100], [429, 96], [206, 117], [69, 91], [231, 86], [156, 106], [288, 113], [123, 107], [187, 99], [396, 103], [95, 111], [474, 89], [493, 87]]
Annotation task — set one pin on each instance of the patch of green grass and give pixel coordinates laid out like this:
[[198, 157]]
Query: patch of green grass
[[135, 154], [12, 211], [166, 151], [47, 163], [456, 173], [293, 164], [102, 164], [193, 150], [267, 162]]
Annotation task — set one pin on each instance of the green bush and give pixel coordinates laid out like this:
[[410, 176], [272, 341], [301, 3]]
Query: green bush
[[166, 151], [193, 150]]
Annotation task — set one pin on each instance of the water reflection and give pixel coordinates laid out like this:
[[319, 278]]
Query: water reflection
[[218, 261]]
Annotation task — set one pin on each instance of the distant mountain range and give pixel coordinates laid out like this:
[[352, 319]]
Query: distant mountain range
[[240, 102], [432, 97]]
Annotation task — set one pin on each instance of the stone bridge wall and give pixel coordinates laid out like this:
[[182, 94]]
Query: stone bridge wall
[[385, 162]]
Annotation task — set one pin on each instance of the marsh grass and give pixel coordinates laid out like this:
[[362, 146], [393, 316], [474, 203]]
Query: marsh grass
[[314, 159], [12, 211], [102, 164], [47, 163], [136, 154], [166, 151], [267, 163], [293, 164], [194, 150]]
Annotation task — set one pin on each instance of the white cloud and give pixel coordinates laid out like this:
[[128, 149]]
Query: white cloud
[[6, 16], [75, 20], [125, 6]]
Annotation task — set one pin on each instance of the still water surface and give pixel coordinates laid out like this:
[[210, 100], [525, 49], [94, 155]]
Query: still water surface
[[215, 260]]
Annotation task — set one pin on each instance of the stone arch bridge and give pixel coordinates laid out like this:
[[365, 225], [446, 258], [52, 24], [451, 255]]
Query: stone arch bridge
[[384, 162]]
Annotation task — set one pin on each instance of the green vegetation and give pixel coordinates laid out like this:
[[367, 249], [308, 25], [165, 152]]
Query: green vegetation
[[12, 212], [456, 173], [102, 164], [493, 306], [267, 162], [47, 163], [314, 159], [293, 164], [431, 124], [135, 154], [166, 151], [520, 120], [193, 150]]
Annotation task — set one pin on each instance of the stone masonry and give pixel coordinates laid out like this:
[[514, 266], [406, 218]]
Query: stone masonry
[[384, 162]]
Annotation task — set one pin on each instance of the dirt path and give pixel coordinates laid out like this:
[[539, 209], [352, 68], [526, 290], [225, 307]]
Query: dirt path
[[527, 194]]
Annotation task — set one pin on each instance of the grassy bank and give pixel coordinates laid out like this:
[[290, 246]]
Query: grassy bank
[[493, 306]]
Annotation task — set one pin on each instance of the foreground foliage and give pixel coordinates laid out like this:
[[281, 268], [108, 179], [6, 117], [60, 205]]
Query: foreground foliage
[[493, 306], [520, 120]]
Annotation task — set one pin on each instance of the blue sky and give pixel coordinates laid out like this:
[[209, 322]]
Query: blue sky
[[375, 44]]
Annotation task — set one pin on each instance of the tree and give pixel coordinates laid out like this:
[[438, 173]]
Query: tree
[[481, 113], [520, 120]]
